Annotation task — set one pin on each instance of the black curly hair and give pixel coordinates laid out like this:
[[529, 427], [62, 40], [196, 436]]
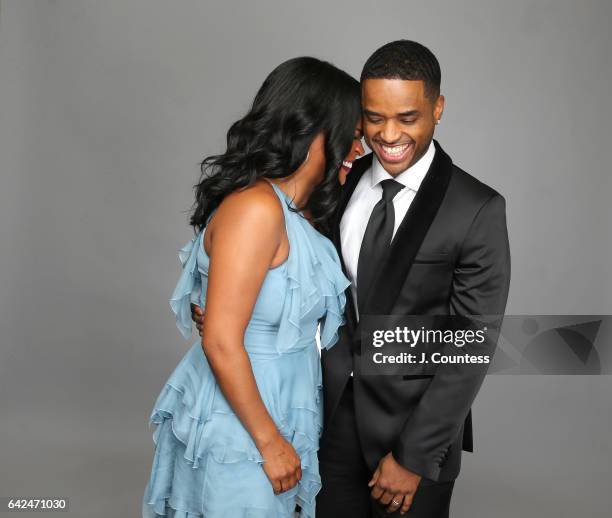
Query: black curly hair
[[300, 98], [408, 60]]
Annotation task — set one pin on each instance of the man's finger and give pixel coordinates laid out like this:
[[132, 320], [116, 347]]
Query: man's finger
[[374, 478], [406, 503], [395, 506], [376, 492], [386, 498]]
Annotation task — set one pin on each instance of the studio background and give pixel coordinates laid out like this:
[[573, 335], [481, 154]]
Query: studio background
[[106, 109]]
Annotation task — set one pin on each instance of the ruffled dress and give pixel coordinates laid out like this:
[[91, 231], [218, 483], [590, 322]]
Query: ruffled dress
[[205, 462]]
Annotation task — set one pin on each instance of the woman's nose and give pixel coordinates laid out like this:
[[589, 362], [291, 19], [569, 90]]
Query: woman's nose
[[359, 149]]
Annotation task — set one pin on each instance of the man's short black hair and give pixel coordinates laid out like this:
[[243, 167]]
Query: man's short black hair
[[408, 60]]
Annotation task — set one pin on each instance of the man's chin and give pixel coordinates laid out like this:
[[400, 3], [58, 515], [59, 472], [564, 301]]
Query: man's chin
[[394, 168]]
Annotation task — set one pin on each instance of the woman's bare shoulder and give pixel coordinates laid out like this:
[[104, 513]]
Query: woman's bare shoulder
[[254, 207]]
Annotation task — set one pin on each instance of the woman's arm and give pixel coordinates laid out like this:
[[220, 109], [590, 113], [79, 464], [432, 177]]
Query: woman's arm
[[246, 237]]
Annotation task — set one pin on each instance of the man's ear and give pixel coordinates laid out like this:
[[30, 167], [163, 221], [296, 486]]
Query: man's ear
[[439, 107]]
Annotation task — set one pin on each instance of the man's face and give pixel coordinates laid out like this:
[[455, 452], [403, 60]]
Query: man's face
[[398, 121]]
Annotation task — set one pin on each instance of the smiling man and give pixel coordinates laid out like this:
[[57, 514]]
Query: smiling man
[[399, 139], [417, 236]]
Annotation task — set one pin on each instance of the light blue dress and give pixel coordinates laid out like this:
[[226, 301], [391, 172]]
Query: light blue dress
[[205, 462]]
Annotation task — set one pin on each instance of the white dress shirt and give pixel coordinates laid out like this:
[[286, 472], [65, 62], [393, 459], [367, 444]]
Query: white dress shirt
[[368, 193]]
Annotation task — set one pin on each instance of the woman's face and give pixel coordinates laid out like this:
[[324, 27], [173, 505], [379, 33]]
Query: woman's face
[[355, 152]]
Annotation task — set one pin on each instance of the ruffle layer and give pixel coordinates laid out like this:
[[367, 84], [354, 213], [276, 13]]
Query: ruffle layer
[[165, 496], [204, 422], [170, 512], [188, 288], [194, 423], [313, 275]]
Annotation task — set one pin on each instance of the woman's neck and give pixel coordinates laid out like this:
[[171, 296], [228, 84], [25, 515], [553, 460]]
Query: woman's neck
[[297, 189]]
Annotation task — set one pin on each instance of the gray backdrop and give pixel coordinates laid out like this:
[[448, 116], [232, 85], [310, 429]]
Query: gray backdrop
[[106, 109]]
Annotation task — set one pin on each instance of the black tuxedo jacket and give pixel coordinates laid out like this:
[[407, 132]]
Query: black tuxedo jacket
[[450, 256]]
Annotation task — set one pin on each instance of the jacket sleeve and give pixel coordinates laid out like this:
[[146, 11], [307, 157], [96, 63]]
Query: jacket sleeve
[[480, 287]]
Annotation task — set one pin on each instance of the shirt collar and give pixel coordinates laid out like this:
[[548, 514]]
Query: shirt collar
[[411, 177]]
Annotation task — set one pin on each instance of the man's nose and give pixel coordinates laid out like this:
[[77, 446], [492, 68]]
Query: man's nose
[[390, 132]]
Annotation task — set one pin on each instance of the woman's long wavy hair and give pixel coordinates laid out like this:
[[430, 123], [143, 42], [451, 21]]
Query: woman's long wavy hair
[[299, 99]]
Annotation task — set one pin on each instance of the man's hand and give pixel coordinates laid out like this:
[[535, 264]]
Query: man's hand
[[394, 485], [197, 315]]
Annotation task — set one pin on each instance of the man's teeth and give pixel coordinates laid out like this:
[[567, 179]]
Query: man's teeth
[[346, 164], [395, 150]]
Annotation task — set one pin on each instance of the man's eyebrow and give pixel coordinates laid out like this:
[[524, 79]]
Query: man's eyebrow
[[409, 113]]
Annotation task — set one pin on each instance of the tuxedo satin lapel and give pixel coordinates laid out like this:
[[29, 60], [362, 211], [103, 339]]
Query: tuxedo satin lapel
[[350, 312], [388, 282], [359, 168]]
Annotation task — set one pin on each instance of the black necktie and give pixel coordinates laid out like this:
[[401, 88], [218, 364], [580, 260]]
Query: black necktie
[[376, 239]]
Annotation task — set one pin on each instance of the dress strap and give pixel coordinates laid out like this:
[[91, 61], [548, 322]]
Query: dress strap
[[286, 201]]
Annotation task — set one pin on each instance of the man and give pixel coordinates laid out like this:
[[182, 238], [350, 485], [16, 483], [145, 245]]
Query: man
[[417, 236]]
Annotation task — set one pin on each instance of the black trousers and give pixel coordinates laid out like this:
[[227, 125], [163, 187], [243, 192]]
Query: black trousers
[[345, 475]]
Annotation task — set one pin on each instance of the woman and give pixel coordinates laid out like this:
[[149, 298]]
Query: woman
[[239, 419]]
